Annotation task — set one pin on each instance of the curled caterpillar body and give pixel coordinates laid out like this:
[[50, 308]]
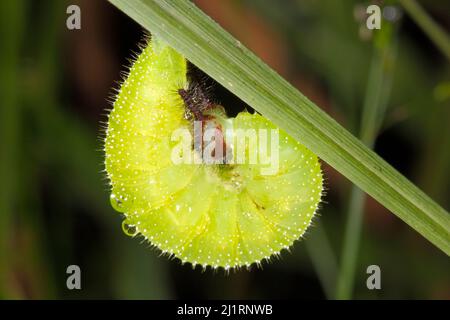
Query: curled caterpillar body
[[225, 214]]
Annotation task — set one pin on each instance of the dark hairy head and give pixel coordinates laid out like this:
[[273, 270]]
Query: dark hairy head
[[196, 100]]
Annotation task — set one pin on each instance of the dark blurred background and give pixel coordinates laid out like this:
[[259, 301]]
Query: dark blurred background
[[55, 85]]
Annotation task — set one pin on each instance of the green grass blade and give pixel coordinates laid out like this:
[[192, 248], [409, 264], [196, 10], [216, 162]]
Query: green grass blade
[[377, 95], [431, 28], [323, 258], [202, 41]]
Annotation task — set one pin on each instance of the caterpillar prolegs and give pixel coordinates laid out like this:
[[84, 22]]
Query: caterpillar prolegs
[[235, 210]]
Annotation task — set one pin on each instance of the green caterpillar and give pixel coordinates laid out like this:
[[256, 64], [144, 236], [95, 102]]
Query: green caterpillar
[[220, 215]]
